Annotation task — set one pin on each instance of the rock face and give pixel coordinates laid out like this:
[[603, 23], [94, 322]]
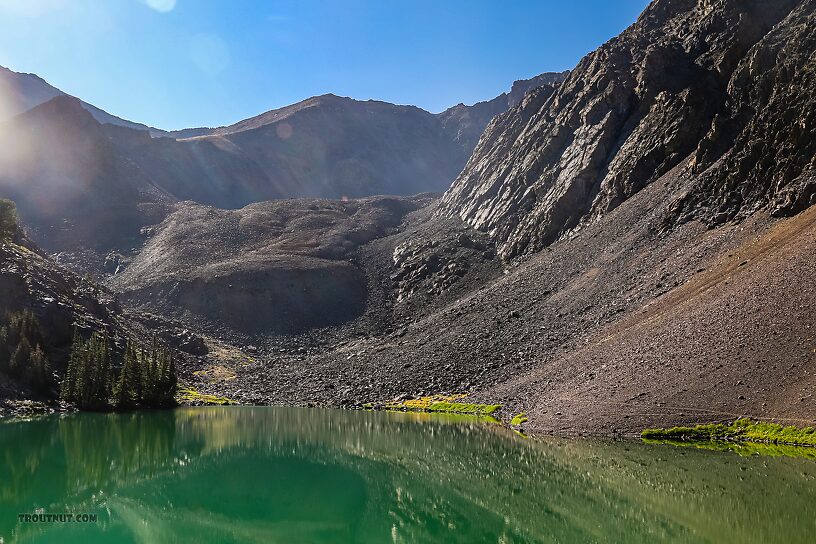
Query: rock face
[[465, 124], [760, 151], [686, 78]]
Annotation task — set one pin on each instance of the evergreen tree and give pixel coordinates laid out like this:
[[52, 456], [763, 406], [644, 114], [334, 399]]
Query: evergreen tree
[[39, 371], [87, 380], [20, 357], [21, 350], [68, 389], [125, 392], [145, 377], [170, 382]]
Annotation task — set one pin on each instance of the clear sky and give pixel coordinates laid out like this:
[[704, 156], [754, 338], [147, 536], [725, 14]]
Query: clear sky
[[184, 63]]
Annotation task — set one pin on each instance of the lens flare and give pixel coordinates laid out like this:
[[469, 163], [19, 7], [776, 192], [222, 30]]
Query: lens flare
[[162, 6], [284, 131]]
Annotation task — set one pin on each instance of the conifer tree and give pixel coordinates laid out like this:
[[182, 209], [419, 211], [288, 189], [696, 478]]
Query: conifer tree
[[39, 370], [125, 392], [69, 387], [20, 357], [87, 379], [171, 382], [8, 219]]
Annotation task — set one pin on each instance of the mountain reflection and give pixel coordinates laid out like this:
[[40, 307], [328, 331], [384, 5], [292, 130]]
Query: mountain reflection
[[240, 474]]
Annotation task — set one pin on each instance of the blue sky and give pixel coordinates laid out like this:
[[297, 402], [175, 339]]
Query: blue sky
[[183, 63]]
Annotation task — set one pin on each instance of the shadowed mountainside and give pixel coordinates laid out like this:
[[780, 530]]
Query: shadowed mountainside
[[22, 92]]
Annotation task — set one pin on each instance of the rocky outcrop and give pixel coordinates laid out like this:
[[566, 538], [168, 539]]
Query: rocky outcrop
[[439, 256], [465, 124], [630, 112], [760, 152]]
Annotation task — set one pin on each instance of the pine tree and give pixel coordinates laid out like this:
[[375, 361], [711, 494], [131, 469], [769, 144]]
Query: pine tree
[[125, 393], [87, 379], [170, 382], [8, 219], [20, 357], [39, 370], [149, 374], [68, 387], [106, 372]]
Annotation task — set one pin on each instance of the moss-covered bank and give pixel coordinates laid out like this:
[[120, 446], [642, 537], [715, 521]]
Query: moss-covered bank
[[741, 430], [447, 404]]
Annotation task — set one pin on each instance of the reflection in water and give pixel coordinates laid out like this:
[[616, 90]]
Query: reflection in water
[[238, 474]]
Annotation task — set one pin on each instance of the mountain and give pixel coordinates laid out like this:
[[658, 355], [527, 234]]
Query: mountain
[[22, 92], [85, 179], [632, 248], [329, 146], [685, 75]]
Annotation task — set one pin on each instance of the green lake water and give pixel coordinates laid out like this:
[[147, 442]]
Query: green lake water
[[289, 475]]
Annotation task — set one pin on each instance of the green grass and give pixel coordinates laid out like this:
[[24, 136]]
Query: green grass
[[442, 404], [188, 395], [518, 419], [463, 408], [741, 430]]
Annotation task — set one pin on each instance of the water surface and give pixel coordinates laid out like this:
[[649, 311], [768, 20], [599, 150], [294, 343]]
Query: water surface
[[266, 475]]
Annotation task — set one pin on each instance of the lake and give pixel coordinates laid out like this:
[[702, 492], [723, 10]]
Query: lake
[[292, 475]]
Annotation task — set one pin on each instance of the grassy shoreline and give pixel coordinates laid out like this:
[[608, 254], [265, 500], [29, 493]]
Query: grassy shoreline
[[444, 404], [741, 430]]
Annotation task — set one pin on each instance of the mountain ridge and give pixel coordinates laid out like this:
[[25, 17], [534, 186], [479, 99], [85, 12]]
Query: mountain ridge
[[326, 146]]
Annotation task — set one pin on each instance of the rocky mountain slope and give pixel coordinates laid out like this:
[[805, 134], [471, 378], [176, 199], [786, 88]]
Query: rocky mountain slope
[[645, 277], [58, 300], [43, 305], [686, 75], [466, 123], [620, 328], [278, 267]]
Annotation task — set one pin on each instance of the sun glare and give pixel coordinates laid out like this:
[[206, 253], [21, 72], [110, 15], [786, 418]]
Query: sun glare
[[161, 5]]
